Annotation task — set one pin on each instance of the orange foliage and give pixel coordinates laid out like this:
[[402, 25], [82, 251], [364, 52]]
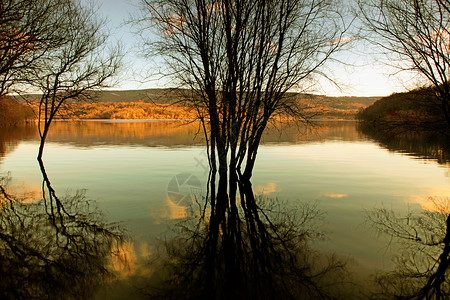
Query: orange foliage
[[142, 110], [127, 110], [13, 113]]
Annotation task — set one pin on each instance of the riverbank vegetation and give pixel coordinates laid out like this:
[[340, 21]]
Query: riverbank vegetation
[[159, 105], [143, 110]]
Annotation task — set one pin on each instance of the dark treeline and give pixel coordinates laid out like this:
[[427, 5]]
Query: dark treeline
[[419, 109], [414, 37]]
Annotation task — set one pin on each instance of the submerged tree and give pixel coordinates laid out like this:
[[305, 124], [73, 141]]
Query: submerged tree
[[415, 35], [57, 48], [81, 64], [238, 60]]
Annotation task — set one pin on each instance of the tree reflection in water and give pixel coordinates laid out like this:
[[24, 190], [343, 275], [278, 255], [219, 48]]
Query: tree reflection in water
[[421, 144], [263, 252], [422, 266], [53, 248]]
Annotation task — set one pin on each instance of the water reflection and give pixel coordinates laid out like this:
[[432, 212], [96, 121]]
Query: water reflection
[[424, 145], [182, 133], [10, 137], [422, 265], [53, 247], [341, 193], [263, 252], [173, 133]]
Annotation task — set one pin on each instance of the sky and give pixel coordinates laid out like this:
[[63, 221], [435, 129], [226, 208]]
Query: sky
[[360, 74]]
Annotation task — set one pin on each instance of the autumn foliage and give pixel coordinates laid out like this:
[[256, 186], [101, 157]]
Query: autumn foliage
[[127, 110], [13, 113], [318, 106]]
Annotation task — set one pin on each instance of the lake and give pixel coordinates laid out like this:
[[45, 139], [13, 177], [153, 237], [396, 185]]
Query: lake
[[133, 169]]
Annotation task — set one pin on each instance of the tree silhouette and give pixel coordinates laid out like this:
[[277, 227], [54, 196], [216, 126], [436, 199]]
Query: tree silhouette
[[81, 64], [29, 29], [415, 36], [236, 62]]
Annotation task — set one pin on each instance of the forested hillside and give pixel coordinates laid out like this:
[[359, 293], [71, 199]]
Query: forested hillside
[[419, 104], [166, 104], [418, 109], [13, 113]]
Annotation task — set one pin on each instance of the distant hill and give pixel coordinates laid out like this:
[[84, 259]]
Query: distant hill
[[416, 104], [167, 96], [160, 96], [120, 104], [346, 107], [344, 101], [415, 110], [13, 113]]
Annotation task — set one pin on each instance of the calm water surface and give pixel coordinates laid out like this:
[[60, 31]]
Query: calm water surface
[[127, 167]]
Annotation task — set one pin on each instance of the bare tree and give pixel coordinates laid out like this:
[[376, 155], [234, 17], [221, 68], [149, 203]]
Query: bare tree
[[415, 35], [79, 65], [236, 61], [28, 30], [57, 48]]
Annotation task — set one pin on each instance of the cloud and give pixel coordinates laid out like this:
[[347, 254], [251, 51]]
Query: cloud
[[175, 211], [123, 260], [269, 188], [343, 40], [330, 195], [434, 199]]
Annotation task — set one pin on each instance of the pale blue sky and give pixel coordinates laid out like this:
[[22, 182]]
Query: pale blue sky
[[363, 77]]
